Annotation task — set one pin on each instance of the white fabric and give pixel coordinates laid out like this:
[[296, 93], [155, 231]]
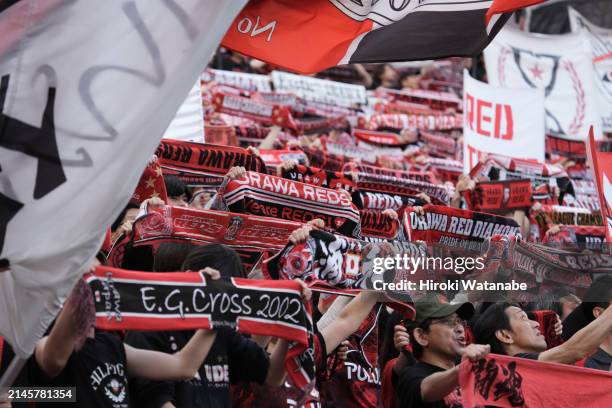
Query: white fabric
[[508, 122], [558, 64], [188, 122], [601, 53], [319, 90], [242, 80], [121, 69]]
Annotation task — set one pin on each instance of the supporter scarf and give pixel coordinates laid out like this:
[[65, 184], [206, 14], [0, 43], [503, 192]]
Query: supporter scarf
[[220, 135], [511, 382], [446, 169], [151, 184], [319, 177], [304, 107], [325, 161], [204, 164], [350, 152], [440, 145], [314, 125], [128, 300], [590, 237], [381, 201], [544, 267], [574, 149], [249, 235], [273, 158], [439, 194], [496, 196], [334, 264], [376, 226], [424, 176], [260, 111], [557, 214], [434, 100], [254, 134], [271, 196], [378, 138], [430, 121], [456, 228]]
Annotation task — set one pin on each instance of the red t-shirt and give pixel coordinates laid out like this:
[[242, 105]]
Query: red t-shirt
[[389, 398]]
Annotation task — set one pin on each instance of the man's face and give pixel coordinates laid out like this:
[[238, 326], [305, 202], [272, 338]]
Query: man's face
[[525, 333], [447, 336]]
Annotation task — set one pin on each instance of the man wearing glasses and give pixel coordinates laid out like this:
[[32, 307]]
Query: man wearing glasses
[[438, 341]]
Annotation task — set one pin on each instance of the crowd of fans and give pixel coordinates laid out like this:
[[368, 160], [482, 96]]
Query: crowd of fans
[[366, 354]]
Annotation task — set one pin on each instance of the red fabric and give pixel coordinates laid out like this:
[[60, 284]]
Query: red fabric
[[547, 320], [601, 163], [151, 184], [220, 135], [433, 120], [375, 224], [204, 164], [319, 177], [499, 195], [378, 138], [505, 381], [389, 398]]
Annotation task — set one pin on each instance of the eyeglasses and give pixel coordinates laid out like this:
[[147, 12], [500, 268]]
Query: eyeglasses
[[451, 321]]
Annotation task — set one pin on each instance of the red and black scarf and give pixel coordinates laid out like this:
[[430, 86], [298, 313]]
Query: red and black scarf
[[429, 121], [271, 196], [151, 184], [494, 196], [204, 164], [453, 227], [376, 226], [128, 300], [439, 194], [319, 177], [415, 175]]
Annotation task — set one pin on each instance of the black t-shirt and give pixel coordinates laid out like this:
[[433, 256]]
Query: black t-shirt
[[233, 358], [408, 388], [599, 361], [6, 356], [530, 356], [98, 371]]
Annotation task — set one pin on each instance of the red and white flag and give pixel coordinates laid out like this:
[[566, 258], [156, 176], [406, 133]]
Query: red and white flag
[[310, 36], [601, 164]]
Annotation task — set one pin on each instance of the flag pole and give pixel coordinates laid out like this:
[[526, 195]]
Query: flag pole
[[12, 371]]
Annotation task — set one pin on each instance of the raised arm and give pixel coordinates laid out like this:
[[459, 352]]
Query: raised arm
[[583, 342], [349, 319]]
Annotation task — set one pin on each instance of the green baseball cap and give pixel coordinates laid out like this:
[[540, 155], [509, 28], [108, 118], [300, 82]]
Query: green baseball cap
[[429, 308]]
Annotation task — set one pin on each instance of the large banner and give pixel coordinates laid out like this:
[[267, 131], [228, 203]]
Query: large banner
[[601, 53], [309, 36], [87, 89], [561, 65], [502, 121]]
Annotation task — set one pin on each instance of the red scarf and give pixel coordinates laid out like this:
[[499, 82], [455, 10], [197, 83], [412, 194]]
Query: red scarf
[[493, 196], [439, 194], [151, 184], [323, 160], [128, 300], [512, 382], [433, 99], [365, 169], [456, 228], [440, 145], [204, 164], [376, 226], [220, 135], [271, 196], [378, 138], [319, 177], [430, 121]]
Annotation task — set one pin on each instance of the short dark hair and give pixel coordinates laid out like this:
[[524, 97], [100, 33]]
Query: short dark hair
[[216, 256], [170, 256], [417, 349], [599, 294], [489, 322], [175, 187]]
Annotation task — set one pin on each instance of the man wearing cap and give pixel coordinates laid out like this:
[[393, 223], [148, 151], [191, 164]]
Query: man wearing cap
[[438, 342]]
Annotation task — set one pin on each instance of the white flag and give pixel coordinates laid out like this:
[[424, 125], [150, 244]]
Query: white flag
[[188, 123], [601, 54], [509, 122], [87, 90], [558, 64]]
